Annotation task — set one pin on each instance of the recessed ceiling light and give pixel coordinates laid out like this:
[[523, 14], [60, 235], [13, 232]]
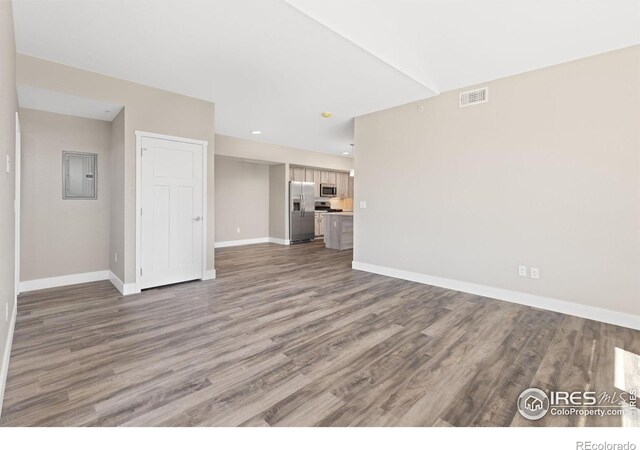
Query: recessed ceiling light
[[345, 153], [326, 114], [256, 132]]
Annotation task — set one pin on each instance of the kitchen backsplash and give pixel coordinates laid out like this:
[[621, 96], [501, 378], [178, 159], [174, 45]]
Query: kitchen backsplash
[[346, 204]]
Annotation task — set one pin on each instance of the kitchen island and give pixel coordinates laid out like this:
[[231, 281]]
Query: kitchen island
[[338, 230]]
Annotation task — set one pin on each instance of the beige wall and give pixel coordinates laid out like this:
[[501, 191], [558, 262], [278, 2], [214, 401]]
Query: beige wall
[[260, 151], [8, 108], [278, 201], [147, 109], [242, 200], [117, 183], [62, 237], [546, 174]]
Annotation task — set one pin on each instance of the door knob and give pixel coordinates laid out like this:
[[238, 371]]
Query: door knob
[[197, 219]]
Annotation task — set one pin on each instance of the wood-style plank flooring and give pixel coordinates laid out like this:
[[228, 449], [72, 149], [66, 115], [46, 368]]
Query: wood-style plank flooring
[[291, 336]]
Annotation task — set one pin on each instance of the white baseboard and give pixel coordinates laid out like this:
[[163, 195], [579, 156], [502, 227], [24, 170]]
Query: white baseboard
[[4, 369], [279, 241], [209, 275], [223, 244], [125, 289], [65, 280], [262, 240], [551, 304]]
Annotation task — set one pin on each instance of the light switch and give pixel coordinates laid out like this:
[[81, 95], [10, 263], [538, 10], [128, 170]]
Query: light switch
[[363, 204]]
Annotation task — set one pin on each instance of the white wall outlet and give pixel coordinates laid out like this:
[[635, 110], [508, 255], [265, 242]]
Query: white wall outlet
[[363, 204], [522, 271], [535, 273], [238, 230], [8, 164]]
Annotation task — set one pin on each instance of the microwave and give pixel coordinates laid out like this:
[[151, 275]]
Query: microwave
[[328, 190]]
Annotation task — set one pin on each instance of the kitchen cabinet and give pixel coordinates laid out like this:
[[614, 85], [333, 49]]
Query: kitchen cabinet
[[338, 231], [319, 225], [342, 184], [308, 175], [342, 180], [296, 174], [316, 178], [327, 177], [350, 188], [313, 176]]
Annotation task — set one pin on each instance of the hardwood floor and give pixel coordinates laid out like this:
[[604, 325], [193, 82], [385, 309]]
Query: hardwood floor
[[291, 336]]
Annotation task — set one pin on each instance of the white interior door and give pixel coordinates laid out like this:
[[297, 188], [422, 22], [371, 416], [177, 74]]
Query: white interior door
[[172, 212]]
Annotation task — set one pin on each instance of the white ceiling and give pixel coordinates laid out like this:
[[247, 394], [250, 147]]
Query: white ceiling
[[43, 100], [275, 66], [451, 44]]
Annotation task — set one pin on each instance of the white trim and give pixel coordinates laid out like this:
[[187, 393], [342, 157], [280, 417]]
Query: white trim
[[262, 240], [17, 164], [205, 220], [167, 137], [279, 241], [4, 369], [551, 304], [209, 275], [204, 144], [222, 244], [137, 211], [65, 280], [125, 289]]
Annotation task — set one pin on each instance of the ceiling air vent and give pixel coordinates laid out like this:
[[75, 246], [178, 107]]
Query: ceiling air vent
[[474, 97]]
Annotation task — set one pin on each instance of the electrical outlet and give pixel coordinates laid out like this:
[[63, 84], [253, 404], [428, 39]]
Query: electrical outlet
[[8, 164], [535, 273], [522, 271], [238, 230], [363, 204]]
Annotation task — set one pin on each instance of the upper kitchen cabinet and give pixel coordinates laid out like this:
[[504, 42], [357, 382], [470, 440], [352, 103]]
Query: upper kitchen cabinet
[[327, 177], [317, 175], [297, 174], [350, 187], [342, 180], [313, 175], [342, 184], [308, 175]]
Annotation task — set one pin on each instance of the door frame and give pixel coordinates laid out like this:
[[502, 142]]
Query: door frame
[[204, 144], [17, 164]]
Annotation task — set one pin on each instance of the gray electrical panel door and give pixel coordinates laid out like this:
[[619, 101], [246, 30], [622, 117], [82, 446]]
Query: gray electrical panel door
[[80, 175]]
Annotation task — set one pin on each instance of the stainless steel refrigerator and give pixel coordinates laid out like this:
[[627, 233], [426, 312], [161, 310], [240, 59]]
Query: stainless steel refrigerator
[[301, 211]]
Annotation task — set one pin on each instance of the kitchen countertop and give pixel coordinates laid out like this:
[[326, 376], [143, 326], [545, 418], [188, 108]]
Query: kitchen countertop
[[343, 213]]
